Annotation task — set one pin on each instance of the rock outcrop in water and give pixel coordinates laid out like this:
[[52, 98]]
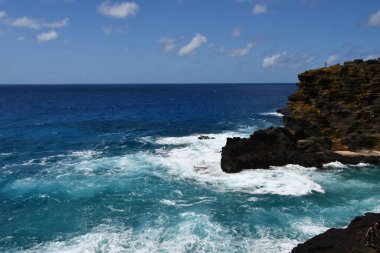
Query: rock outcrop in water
[[350, 239], [334, 116]]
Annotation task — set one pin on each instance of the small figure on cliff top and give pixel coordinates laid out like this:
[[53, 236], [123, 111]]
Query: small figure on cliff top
[[370, 235], [325, 64]]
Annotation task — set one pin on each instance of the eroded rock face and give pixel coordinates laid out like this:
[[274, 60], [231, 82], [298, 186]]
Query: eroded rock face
[[350, 239], [336, 108]]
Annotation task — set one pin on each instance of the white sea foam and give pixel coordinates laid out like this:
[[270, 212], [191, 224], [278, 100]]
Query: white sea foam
[[253, 199], [183, 203], [75, 156], [200, 160], [194, 233], [5, 154], [83, 173], [178, 158], [113, 209], [85, 154], [77, 177], [308, 227], [184, 158], [101, 239], [375, 209], [178, 193], [275, 114], [168, 202], [362, 165], [336, 164], [339, 165]]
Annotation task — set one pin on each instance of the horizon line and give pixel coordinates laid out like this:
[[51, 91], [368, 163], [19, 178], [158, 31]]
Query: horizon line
[[171, 83]]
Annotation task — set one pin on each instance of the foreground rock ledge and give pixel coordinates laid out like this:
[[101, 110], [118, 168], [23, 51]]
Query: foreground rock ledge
[[350, 239], [334, 116]]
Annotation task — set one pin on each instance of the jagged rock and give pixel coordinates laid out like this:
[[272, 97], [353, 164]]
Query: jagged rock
[[351, 239], [205, 137], [278, 147], [335, 109], [340, 104]]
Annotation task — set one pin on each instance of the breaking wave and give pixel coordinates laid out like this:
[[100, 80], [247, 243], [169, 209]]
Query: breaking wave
[[274, 114], [84, 173], [193, 233], [193, 228], [199, 160]]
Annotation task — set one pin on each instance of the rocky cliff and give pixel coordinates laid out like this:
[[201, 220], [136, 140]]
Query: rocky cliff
[[334, 116], [350, 239], [337, 108]]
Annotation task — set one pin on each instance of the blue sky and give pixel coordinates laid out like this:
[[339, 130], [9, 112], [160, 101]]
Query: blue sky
[[181, 41]]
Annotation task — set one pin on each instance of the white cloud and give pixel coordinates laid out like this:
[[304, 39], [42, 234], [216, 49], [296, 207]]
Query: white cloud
[[374, 19], [196, 42], [57, 24], [371, 57], [236, 32], [2, 14], [332, 59], [48, 36], [118, 10], [20, 38], [259, 9], [240, 52], [286, 59], [26, 22], [168, 44], [270, 61]]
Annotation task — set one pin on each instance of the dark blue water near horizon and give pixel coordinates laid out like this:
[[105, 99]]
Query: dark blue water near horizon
[[75, 115], [115, 168]]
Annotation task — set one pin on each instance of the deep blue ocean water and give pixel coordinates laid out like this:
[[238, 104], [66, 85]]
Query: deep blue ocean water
[[119, 168]]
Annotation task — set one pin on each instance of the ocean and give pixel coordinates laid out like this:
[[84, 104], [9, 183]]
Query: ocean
[[120, 168]]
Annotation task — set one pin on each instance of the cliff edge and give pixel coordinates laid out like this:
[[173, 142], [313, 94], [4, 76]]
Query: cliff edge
[[334, 116]]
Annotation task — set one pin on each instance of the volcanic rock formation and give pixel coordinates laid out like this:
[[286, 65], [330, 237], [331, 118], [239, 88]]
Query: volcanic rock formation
[[350, 239], [334, 116]]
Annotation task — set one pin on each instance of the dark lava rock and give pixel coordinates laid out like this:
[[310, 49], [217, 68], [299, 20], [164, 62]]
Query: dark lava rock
[[205, 137], [335, 109], [276, 146], [349, 240]]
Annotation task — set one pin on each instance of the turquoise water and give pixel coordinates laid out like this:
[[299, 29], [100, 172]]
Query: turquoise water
[[120, 169]]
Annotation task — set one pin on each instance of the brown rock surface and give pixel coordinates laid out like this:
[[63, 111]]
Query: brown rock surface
[[335, 109]]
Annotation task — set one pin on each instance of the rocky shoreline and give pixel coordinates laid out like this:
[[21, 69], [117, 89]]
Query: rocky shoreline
[[349, 239], [334, 116], [278, 147]]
